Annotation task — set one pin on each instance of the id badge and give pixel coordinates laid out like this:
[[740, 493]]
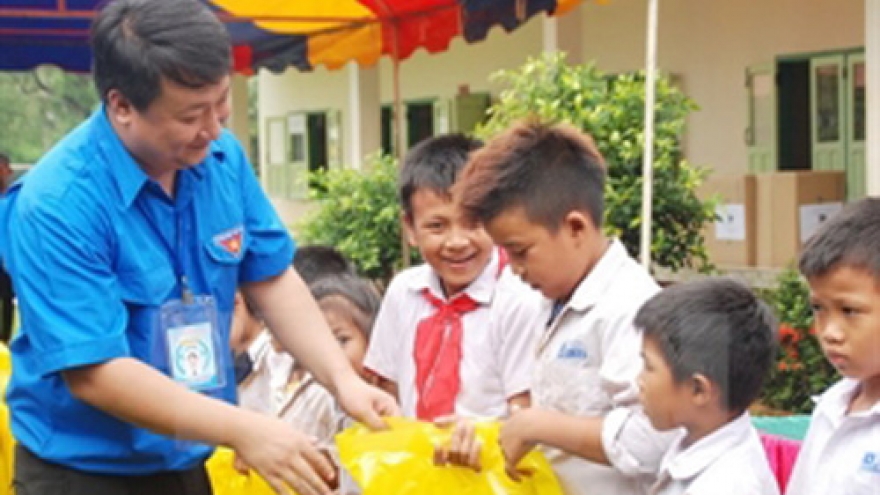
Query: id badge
[[193, 344]]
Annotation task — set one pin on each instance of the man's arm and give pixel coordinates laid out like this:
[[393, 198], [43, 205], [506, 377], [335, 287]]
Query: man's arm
[[388, 386], [136, 393], [295, 319]]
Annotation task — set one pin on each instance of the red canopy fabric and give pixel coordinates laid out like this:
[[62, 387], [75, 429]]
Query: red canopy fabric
[[275, 34]]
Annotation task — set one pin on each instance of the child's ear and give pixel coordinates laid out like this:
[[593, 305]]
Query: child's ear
[[704, 391], [406, 221], [579, 224]]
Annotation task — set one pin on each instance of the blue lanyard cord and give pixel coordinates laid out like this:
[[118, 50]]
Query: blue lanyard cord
[[177, 257]]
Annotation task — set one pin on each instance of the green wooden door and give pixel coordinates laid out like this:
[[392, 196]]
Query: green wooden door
[[855, 126], [761, 131], [828, 107]]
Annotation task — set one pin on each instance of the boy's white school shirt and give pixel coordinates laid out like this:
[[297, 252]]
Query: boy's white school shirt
[[729, 461], [588, 361], [498, 338], [841, 452], [271, 369]]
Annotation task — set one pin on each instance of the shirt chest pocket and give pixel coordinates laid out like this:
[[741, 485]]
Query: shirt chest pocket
[[569, 381], [146, 284], [143, 288], [225, 252]]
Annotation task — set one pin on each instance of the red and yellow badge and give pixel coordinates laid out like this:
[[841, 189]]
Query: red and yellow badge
[[230, 240]]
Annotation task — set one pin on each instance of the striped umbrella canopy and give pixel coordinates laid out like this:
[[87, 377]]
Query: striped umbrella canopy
[[275, 34]]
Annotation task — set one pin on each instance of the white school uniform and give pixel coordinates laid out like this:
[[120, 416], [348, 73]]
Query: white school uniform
[[841, 453], [262, 389], [729, 461], [498, 338], [588, 360]]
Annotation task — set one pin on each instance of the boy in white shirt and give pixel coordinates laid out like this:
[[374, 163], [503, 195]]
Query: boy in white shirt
[[707, 349], [539, 191], [841, 262], [454, 335]]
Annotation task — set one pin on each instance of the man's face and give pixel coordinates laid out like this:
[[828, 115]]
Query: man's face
[[176, 129]]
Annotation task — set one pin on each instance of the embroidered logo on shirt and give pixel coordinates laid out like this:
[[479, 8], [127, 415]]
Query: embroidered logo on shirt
[[871, 462], [230, 240], [573, 349]]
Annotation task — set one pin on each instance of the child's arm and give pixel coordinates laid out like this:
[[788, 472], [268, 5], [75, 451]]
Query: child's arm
[[628, 441], [580, 436], [384, 350], [518, 316]]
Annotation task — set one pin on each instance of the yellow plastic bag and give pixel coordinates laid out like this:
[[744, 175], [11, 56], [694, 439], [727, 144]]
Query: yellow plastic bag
[[400, 461], [227, 481]]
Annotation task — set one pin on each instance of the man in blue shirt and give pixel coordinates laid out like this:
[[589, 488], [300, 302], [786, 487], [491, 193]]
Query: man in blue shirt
[[127, 243]]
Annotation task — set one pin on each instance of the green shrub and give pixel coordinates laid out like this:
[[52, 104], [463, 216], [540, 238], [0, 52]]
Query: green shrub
[[801, 370], [359, 215], [611, 109]]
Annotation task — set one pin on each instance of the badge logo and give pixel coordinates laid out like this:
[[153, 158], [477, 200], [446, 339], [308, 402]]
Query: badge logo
[[230, 240], [574, 350], [871, 462]]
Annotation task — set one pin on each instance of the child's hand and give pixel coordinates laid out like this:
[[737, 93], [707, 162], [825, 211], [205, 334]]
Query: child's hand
[[514, 443], [464, 447]]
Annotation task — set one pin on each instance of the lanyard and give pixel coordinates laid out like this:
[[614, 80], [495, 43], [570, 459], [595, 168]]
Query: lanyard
[[176, 256]]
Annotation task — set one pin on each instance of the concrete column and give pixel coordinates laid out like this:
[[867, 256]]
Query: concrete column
[[872, 70], [362, 116], [238, 119], [565, 34]]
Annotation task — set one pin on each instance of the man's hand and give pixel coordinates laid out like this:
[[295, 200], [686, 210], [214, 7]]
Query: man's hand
[[464, 447], [515, 442], [365, 402], [286, 458]]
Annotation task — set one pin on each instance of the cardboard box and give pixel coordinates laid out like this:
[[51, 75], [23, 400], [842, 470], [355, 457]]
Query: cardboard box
[[791, 206], [730, 241]]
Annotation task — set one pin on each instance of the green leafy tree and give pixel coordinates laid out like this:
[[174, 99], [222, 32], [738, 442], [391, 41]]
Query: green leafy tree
[[39, 107], [611, 109], [359, 215]]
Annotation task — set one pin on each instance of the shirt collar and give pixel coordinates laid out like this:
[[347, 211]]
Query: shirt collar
[[838, 399], [686, 464], [481, 290], [127, 174], [591, 289]]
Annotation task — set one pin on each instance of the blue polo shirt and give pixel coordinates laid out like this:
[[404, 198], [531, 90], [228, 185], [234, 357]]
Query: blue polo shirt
[[91, 246]]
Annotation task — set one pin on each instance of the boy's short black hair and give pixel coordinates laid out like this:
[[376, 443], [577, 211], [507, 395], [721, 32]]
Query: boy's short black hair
[[361, 296], [317, 261], [434, 165], [717, 328], [137, 43], [549, 170], [850, 238]]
